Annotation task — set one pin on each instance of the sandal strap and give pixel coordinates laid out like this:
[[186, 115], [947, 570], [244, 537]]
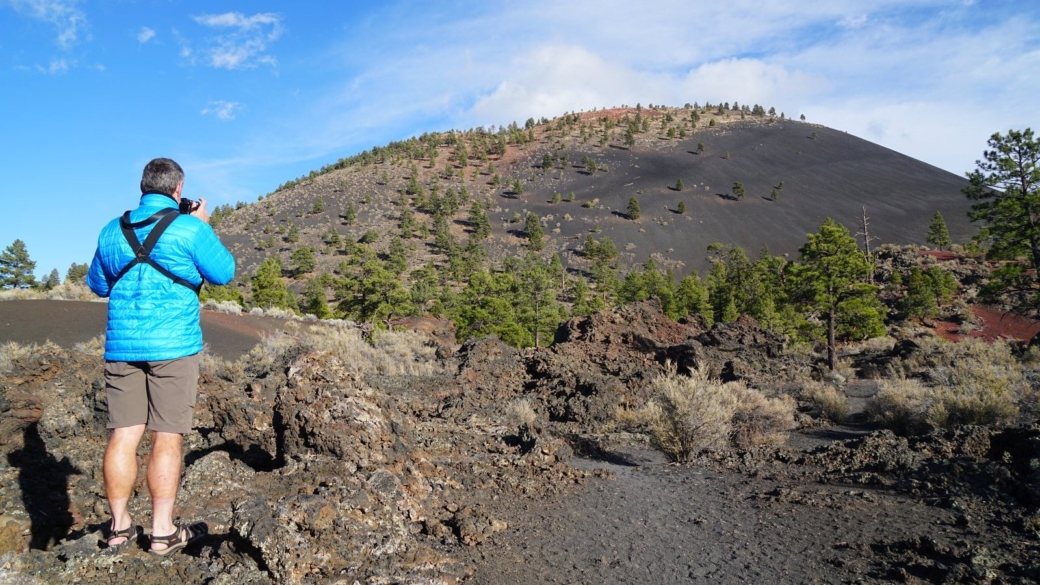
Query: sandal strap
[[122, 533], [190, 532]]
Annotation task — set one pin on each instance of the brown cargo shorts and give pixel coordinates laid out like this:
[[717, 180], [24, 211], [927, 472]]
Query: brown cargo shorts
[[159, 394]]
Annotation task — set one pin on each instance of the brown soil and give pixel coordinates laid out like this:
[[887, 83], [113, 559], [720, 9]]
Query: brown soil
[[993, 324]]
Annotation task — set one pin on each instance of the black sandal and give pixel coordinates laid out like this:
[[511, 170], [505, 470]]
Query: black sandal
[[182, 536], [129, 533]]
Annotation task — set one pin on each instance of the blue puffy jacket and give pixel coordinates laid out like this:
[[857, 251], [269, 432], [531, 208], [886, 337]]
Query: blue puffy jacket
[[151, 318]]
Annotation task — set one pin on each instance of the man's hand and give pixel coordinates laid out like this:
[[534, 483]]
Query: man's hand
[[200, 212]]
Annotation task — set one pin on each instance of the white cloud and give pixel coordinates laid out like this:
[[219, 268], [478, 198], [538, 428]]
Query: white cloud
[[146, 34], [244, 39], [223, 110], [64, 15], [240, 21], [55, 67], [853, 21]]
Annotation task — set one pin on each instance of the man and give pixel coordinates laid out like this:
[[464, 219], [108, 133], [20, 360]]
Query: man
[[152, 344]]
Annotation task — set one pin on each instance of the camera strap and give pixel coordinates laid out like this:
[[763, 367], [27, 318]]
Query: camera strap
[[142, 252]]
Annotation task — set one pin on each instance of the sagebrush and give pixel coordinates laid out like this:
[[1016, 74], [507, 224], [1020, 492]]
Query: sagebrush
[[687, 415]]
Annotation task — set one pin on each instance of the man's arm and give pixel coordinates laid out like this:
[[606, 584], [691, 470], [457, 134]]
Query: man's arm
[[96, 279], [215, 262]]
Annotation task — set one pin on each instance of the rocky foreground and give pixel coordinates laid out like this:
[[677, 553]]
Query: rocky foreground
[[337, 456]]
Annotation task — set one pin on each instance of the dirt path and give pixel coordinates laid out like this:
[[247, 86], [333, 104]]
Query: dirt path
[[660, 523], [67, 323]]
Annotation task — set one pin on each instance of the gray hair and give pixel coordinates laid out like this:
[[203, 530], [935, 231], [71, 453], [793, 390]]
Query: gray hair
[[161, 175]]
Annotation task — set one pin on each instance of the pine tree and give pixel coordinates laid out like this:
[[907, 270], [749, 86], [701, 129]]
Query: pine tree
[[76, 273], [53, 279], [938, 235], [679, 185], [397, 261], [833, 270], [442, 237], [16, 269], [533, 231], [294, 234], [478, 219], [1006, 188], [407, 224], [919, 301], [682, 208], [350, 214], [692, 298], [580, 302], [633, 209], [332, 237], [303, 261], [738, 190], [269, 289], [315, 300]]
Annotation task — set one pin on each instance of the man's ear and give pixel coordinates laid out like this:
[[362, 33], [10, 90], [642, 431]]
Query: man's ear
[[177, 192]]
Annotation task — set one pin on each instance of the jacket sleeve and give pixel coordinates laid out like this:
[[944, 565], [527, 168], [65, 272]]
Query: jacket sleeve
[[214, 261], [96, 279]]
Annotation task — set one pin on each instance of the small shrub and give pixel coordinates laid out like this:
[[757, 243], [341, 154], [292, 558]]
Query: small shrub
[[901, 405], [826, 400], [94, 347], [228, 307], [759, 420], [231, 371], [690, 414], [976, 395], [12, 351], [520, 412]]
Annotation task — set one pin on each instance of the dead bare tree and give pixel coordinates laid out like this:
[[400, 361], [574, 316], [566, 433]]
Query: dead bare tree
[[867, 238]]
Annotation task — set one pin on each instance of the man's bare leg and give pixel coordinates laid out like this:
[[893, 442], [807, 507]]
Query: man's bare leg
[[164, 477], [120, 469]]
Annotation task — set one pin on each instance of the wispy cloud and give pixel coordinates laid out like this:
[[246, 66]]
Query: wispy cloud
[[223, 110], [64, 15], [145, 34], [243, 41], [55, 67]]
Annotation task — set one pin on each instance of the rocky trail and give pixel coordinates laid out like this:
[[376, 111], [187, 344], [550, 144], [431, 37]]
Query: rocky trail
[[325, 456], [654, 522]]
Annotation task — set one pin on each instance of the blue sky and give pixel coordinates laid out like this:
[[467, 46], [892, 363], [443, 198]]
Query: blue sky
[[246, 95]]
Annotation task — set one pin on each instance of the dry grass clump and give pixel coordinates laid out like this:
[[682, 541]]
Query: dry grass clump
[[902, 405], [228, 307], [909, 406], [273, 312], [690, 414], [826, 400], [71, 291], [759, 420], [94, 347], [885, 343], [10, 352], [521, 412], [232, 371], [13, 351], [395, 353]]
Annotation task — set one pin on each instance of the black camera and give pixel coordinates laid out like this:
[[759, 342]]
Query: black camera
[[187, 205]]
